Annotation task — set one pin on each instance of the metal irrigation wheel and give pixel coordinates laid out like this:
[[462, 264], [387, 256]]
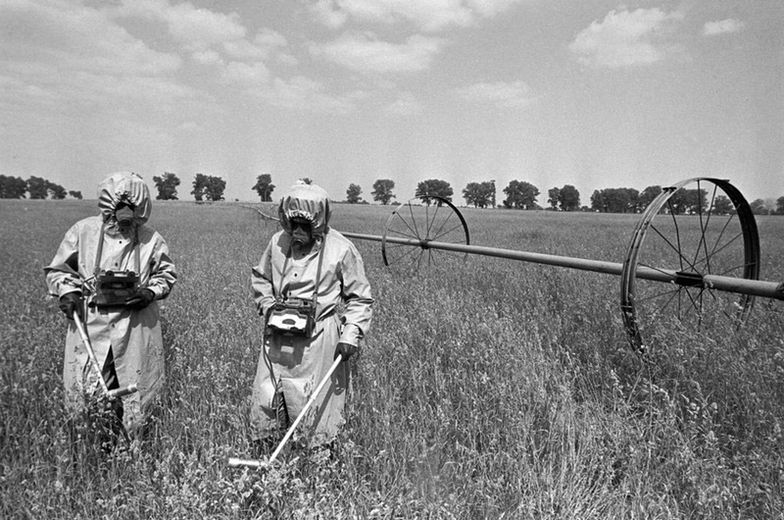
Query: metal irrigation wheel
[[413, 226], [676, 245]]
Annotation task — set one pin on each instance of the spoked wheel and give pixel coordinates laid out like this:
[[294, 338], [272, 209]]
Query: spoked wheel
[[679, 241], [414, 226]]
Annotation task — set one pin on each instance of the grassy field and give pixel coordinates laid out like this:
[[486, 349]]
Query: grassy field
[[487, 389]]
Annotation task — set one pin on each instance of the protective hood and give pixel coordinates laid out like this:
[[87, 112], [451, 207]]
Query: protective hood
[[306, 201], [124, 187]]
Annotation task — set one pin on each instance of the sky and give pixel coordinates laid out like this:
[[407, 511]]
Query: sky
[[592, 93]]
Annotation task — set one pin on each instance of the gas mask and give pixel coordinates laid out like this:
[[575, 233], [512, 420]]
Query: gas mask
[[301, 233], [124, 215]]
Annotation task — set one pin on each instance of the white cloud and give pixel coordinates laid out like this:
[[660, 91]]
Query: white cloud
[[208, 57], [328, 14], [363, 52], [263, 45], [729, 25], [516, 94], [243, 50], [626, 38], [490, 8], [428, 15], [16, 93], [77, 55], [160, 91], [195, 28], [405, 105], [303, 93], [288, 59], [201, 28], [202, 32], [189, 126], [245, 75], [270, 39], [76, 37]]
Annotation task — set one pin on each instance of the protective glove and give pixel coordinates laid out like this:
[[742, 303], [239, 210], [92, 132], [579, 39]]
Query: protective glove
[[139, 300], [346, 350], [71, 302]]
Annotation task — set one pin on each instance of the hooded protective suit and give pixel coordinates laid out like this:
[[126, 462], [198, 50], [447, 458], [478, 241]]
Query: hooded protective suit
[[343, 314], [132, 338]]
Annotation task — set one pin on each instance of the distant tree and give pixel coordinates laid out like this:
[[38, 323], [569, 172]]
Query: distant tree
[[758, 207], [780, 206], [37, 187], [553, 197], [688, 201], [215, 188], [473, 196], [628, 200], [167, 186], [698, 200], [633, 204], [352, 194], [306, 180], [12, 187], [598, 201], [264, 187], [433, 188], [199, 187], [56, 191], [722, 205], [382, 190], [521, 195], [677, 203], [75, 194], [648, 194], [615, 200], [480, 194], [569, 198]]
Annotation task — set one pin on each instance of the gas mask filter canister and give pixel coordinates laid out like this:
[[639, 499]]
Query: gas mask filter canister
[[124, 215]]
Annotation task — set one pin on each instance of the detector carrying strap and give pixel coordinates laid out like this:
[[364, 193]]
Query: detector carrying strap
[[295, 316], [113, 288]]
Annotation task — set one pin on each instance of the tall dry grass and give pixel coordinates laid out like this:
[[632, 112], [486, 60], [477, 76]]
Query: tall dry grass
[[486, 389]]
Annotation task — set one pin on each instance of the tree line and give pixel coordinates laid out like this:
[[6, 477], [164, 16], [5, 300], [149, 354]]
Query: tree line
[[519, 194], [33, 188], [522, 195], [684, 201], [205, 187]]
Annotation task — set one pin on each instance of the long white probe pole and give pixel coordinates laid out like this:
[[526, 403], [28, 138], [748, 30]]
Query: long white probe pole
[[118, 392], [257, 463]]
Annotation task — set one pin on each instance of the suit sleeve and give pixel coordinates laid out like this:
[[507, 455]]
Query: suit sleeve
[[261, 282], [163, 274], [357, 295], [62, 273]]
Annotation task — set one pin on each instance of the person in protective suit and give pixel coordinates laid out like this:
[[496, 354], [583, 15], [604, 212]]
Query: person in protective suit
[[111, 269], [306, 268]]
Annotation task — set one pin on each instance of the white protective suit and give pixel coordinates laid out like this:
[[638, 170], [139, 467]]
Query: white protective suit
[[133, 336], [343, 314]]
